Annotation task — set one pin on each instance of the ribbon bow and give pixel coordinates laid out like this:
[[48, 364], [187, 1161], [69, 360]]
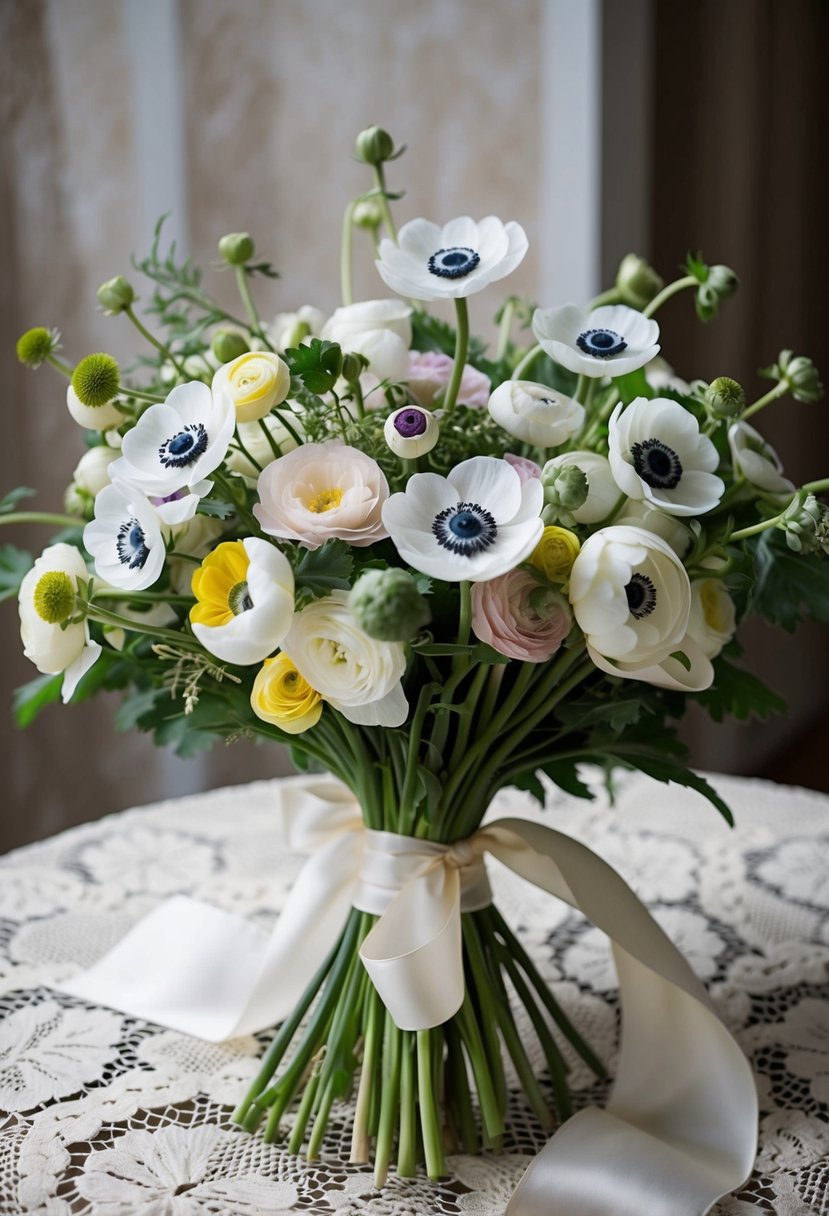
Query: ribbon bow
[[679, 1130]]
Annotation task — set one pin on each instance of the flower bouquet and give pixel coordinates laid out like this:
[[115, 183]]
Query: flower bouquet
[[433, 568]]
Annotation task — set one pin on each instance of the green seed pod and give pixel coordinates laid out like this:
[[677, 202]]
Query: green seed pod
[[374, 145], [236, 248], [116, 295], [388, 606], [36, 345], [637, 282], [54, 597], [97, 379], [725, 398], [228, 344]]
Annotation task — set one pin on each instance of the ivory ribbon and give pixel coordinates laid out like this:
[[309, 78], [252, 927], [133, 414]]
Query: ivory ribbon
[[679, 1130]]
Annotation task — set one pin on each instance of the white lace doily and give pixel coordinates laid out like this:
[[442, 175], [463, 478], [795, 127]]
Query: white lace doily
[[102, 1115]]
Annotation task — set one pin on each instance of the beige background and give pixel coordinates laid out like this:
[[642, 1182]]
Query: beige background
[[242, 116]]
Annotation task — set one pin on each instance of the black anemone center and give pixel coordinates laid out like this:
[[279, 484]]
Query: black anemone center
[[601, 343], [453, 263], [641, 596], [130, 544], [465, 529], [184, 447], [657, 464], [239, 598]]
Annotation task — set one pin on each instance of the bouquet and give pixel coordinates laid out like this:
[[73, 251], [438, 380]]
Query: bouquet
[[432, 567]]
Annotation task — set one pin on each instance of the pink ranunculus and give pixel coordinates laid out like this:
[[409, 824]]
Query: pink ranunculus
[[526, 469], [519, 617], [430, 373], [323, 490]]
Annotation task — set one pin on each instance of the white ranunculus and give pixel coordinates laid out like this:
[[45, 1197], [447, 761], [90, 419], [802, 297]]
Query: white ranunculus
[[657, 453], [125, 538], [358, 675], [50, 647], [757, 460], [611, 340], [177, 443], [294, 328], [92, 470], [430, 262], [536, 414], [631, 597], [254, 382], [256, 442], [641, 514], [378, 329], [93, 417], [602, 491], [475, 524], [244, 601], [713, 618]]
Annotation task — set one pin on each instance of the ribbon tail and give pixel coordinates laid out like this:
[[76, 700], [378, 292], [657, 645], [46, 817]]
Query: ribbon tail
[[680, 1129]]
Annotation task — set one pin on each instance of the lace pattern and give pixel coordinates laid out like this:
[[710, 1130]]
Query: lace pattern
[[103, 1115]]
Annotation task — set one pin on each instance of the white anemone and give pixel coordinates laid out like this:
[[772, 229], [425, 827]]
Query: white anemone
[[609, 341], [358, 675], [658, 454], [178, 442], [430, 262], [244, 600], [602, 491], [631, 597], [378, 329], [125, 538], [475, 524], [535, 413], [55, 648], [757, 460]]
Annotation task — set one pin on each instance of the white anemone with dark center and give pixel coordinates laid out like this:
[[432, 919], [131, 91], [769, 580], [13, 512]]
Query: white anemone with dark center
[[475, 524], [125, 538], [176, 444], [430, 262], [658, 455], [611, 340]]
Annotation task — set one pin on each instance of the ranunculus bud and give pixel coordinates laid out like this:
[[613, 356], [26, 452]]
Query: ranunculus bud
[[374, 145], [353, 366], [116, 295], [637, 282], [411, 431], [367, 214], [564, 486], [388, 606], [716, 283], [236, 248], [96, 380], [801, 376], [725, 398], [806, 526], [36, 345], [228, 344]]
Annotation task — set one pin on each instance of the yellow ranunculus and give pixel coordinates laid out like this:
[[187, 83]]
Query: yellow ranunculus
[[255, 382], [555, 553], [280, 695]]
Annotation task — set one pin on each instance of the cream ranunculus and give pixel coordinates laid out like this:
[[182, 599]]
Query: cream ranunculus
[[535, 413], [631, 597], [713, 617], [356, 674], [45, 602], [378, 329], [255, 383]]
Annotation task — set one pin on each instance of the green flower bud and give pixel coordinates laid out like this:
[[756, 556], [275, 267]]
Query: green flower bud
[[637, 282], [723, 280], [353, 366], [367, 214], [806, 525], [116, 295], [388, 606], [96, 379], [725, 398], [54, 597], [236, 248], [374, 145], [77, 502], [565, 486], [36, 345], [716, 283], [228, 344], [800, 375]]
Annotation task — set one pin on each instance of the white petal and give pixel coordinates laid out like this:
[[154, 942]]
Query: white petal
[[391, 710], [491, 483], [420, 237], [78, 669]]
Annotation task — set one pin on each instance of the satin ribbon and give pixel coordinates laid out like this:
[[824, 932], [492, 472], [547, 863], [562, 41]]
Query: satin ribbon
[[679, 1130]]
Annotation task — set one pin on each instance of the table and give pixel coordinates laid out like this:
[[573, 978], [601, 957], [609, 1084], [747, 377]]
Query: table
[[106, 1115]]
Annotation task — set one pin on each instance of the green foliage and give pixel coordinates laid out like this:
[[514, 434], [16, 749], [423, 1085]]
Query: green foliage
[[790, 587], [31, 698], [317, 365], [11, 501], [15, 564], [738, 693], [321, 571], [633, 385], [667, 771]]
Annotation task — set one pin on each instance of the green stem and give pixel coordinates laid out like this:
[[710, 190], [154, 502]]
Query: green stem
[[181, 641], [380, 181], [527, 361], [774, 394], [491, 1114], [303, 1113], [407, 1140], [141, 597], [292, 431], [368, 1079], [42, 517], [504, 330], [360, 405], [145, 333], [254, 323], [430, 1124], [671, 290], [582, 385], [486, 1006], [239, 442], [346, 247], [465, 723], [390, 1089], [460, 1100], [407, 810], [461, 347], [140, 395], [611, 296], [60, 365], [816, 487], [763, 526], [223, 482]]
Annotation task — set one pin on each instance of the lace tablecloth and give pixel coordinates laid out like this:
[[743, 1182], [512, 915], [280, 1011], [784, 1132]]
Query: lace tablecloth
[[106, 1115]]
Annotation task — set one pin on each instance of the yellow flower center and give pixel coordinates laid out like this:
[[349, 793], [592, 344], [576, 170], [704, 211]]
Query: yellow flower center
[[220, 585], [713, 606], [326, 500], [54, 597], [284, 697]]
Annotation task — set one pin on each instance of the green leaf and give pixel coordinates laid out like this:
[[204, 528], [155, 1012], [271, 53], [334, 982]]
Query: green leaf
[[323, 570], [9, 502], [668, 771], [682, 658], [317, 365], [216, 508], [564, 774], [14, 565], [479, 653], [738, 693], [137, 705], [31, 698], [633, 385], [790, 587], [264, 268], [529, 781]]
